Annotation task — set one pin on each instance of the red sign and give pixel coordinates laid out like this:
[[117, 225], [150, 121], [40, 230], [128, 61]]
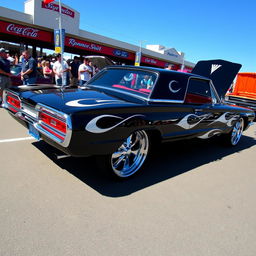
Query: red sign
[[153, 62], [55, 7], [23, 31], [36, 34], [48, 1], [93, 47]]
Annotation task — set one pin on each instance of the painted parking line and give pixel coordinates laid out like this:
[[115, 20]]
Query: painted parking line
[[16, 139]]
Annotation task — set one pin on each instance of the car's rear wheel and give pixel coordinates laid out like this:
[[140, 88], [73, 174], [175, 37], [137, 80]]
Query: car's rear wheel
[[131, 155], [234, 136]]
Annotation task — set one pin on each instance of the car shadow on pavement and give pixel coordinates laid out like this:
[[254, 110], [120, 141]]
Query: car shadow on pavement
[[167, 161]]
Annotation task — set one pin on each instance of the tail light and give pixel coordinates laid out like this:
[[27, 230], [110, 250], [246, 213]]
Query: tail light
[[13, 102], [52, 123]]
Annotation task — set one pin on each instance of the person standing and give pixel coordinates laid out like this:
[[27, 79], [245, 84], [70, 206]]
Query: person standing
[[84, 72], [169, 67], [47, 71], [5, 81], [58, 71], [74, 66], [92, 72], [29, 69]]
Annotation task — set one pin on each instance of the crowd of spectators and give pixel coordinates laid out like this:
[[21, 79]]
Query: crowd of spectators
[[72, 72], [75, 71]]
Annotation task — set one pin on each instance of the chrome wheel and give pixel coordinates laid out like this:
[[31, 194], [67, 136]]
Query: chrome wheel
[[130, 156], [237, 131]]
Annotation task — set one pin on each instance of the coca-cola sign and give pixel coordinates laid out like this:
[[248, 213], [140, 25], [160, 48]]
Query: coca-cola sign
[[23, 31], [55, 8]]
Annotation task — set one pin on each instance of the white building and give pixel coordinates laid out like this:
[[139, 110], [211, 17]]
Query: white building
[[36, 25]]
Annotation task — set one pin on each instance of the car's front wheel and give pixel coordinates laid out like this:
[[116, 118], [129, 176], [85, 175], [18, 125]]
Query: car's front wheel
[[234, 136], [131, 155]]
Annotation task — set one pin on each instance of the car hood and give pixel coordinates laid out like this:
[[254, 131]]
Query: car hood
[[73, 100], [100, 61], [221, 72]]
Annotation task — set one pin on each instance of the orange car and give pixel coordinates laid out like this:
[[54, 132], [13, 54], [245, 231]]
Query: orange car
[[243, 92]]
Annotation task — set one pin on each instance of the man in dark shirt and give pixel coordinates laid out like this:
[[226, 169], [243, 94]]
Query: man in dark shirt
[[29, 69], [5, 81], [74, 71]]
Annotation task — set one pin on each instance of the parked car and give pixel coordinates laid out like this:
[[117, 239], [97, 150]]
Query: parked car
[[115, 117], [100, 61], [16, 76], [243, 91]]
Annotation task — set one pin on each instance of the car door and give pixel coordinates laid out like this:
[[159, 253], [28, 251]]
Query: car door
[[206, 119]]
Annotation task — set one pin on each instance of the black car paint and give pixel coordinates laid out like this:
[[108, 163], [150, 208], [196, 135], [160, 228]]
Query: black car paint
[[158, 117]]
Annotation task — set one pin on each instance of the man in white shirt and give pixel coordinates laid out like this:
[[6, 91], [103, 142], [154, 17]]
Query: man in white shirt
[[57, 70], [84, 72]]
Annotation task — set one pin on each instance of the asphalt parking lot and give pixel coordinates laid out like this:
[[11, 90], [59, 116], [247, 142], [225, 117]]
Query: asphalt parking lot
[[194, 198]]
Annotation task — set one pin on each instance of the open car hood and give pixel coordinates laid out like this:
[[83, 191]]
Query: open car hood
[[221, 72], [100, 61]]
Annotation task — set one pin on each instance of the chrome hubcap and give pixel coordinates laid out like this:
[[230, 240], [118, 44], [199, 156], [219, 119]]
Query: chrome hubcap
[[130, 156], [237, 131]]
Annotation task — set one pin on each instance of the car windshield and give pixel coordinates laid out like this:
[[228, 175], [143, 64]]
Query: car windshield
[[137, 82]]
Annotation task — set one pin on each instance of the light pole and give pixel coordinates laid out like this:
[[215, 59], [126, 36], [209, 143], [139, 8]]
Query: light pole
[[61, 44], [141, 42], [139, 54], [183, 61]]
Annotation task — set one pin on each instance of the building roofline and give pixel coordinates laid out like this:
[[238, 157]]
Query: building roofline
[[10, 15]]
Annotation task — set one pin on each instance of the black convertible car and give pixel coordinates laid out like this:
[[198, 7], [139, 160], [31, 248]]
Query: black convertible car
[[123, 109]]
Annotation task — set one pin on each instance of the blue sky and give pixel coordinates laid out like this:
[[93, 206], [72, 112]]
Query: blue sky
[[224, 29]]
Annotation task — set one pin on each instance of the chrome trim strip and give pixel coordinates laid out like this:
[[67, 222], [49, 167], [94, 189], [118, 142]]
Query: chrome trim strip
[[166, 101], [48, 134], [241, 103], [23, 117], [29, 109], [215, 92]]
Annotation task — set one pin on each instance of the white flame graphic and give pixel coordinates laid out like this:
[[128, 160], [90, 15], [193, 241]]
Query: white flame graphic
[[210, 134], [93, 128], [98, 102], [184, 121], [224, 120]]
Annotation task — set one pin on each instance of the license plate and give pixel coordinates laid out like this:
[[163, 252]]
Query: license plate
[[33, 132]]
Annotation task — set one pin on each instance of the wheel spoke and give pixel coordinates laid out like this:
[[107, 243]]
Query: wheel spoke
[[119, 160], [122, 147], [135, 152], [135, 141], [118, 154], [128, 141], [126, 163]]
